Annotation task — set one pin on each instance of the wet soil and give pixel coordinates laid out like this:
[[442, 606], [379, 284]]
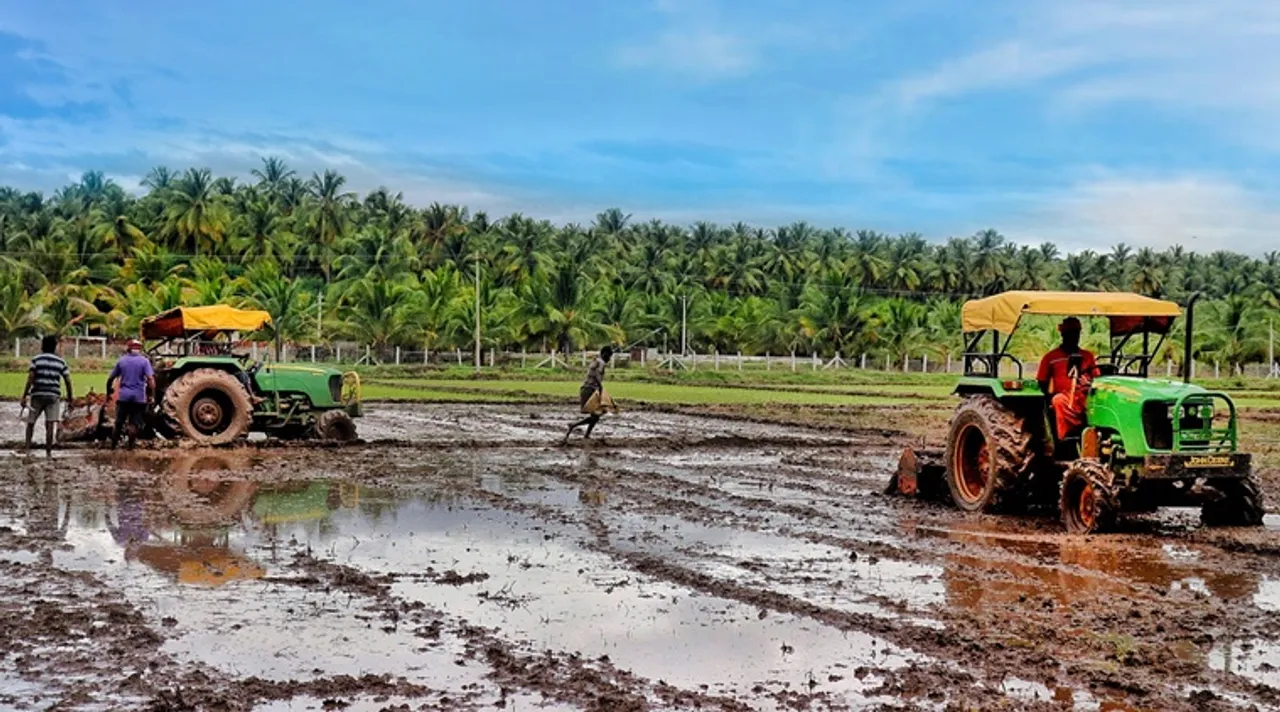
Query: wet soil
[[458, 559]]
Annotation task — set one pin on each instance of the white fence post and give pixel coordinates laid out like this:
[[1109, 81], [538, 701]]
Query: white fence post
[[948, 362], [337, 353], [1216, 373], [77, 347], [739, 360], [491, 357], [397, 355], [254, 349], [716, 359], [815, 360], [906, 363], [313, 353], [793, 360], [524, 356], [924, 367], [426, 356], [862, 362], [768, 362], [104, 347], [17, 348]]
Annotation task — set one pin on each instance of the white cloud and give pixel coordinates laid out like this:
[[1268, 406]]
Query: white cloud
[[1201, 213], [1006, 64], [702, 54], [1176, 53]]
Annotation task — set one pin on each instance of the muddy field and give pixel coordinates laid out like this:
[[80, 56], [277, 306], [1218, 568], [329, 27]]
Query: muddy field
[[460, 560]]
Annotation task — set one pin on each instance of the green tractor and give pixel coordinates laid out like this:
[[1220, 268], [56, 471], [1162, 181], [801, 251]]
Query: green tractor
[[207, 394], [1145, 442]]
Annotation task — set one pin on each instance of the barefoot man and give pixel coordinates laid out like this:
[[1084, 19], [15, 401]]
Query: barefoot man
[[591, 395]]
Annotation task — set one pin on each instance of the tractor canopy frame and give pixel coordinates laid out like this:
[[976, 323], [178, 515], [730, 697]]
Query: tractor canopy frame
[[1128, 314]]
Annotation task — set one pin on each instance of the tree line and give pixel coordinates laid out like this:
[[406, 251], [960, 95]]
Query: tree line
[[328, 263]]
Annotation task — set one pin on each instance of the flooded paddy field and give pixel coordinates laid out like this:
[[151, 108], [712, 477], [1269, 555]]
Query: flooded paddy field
[[458, 559]]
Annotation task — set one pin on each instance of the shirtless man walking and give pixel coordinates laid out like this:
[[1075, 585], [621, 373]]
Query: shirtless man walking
[[593, 383]]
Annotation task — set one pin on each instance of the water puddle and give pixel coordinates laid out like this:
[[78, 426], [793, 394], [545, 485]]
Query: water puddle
[[1255, 660], [205, 552], [1071, 569]]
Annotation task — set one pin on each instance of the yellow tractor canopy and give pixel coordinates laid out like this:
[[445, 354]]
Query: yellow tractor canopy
[[1129, 313], [181, 321]]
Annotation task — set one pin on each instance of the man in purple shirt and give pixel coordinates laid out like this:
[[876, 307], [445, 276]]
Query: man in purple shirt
[[137, 383]]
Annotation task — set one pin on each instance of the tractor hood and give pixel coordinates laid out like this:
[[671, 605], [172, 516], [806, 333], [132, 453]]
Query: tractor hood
[[1136, 390]]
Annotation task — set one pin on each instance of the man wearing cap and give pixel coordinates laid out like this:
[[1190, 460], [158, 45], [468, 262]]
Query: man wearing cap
[[137, 384], [1064, 375]]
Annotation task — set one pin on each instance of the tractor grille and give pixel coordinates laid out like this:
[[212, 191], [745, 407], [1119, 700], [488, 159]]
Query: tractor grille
[[335, 388], [1157, 424]]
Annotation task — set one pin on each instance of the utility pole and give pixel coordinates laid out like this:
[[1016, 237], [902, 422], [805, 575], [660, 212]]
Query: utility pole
[[320, 317], [684, 325], [1271, 349], [477, 313]]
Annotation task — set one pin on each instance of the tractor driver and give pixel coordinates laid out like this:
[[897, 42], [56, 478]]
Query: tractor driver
[[1064, 376]]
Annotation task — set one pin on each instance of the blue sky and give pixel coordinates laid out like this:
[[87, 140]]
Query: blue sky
[[1085, 122]]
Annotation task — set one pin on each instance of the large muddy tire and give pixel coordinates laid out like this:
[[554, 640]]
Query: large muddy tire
[[988, 452], [1088, 503], [208, 406], [1240, 505], [335, 426]]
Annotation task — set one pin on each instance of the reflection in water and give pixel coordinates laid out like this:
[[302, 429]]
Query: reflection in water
[[1072, 569], [178, 516]]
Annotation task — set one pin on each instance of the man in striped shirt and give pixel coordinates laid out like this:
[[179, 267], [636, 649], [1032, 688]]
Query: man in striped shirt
[[44, 390]]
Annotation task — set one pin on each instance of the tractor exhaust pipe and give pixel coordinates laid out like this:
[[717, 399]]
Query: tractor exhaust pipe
[[1186, 340]]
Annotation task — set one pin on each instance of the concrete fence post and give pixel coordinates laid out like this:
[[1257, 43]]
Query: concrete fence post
[[458, 352], [768, 362], [906, 363], [17, 347], [104, 347], [793, 360], [862, 362], [715, 359], [948, 363], [924, 367], [739, 360], [254, 349], [491, 357], [426, 356], [815, 360], [397, 355], [77, 347], [524, 356], [338, 354], [1216, 373], [313, 353]]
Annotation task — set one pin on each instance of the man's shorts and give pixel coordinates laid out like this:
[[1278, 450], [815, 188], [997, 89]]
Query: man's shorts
[[49, 406]]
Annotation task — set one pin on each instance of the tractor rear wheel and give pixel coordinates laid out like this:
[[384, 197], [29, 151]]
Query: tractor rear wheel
[[988, 450], [1240, 505], [335, 426], [208, 406], [1088, 503]]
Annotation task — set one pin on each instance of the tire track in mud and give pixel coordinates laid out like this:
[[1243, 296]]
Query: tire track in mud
[[1002, 652]]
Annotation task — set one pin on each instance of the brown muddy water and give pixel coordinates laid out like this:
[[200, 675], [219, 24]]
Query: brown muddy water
[[459, 560]]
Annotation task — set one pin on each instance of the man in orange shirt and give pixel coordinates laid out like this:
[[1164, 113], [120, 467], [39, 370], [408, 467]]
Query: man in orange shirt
[[1065, 374]]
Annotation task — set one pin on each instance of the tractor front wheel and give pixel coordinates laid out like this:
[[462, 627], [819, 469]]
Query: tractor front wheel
[[335, 426], [1239, 506], [1088, 499], [988, 450], [208, 406]]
